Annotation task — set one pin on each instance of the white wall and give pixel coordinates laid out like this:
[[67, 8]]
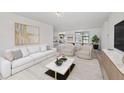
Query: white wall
[[105, 36], [7, 31], [114, 18], [92, 32]]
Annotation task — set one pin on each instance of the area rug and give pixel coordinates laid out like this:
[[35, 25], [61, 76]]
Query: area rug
[[83, 70]]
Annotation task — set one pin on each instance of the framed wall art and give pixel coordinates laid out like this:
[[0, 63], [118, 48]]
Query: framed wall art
[[26, 34]]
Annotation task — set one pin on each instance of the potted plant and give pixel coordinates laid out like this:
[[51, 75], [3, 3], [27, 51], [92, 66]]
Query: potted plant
[[95, 42]]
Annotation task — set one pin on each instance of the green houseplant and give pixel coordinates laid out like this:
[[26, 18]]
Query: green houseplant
[[95, 42]]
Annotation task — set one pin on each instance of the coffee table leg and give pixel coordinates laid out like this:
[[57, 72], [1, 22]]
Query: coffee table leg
[[69, 70], [55, 75]]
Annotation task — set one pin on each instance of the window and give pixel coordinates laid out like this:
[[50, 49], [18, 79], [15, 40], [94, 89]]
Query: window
[[82, 37], [78, 38], [85, 37]]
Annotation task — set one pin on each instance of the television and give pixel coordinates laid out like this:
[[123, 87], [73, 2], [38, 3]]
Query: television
[[119, 36]]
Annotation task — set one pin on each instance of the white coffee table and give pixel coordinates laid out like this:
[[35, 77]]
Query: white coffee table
[[61, 69]]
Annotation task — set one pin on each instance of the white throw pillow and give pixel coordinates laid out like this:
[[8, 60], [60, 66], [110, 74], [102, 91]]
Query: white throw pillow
[[24, 52], [43, 48], [33, 49]]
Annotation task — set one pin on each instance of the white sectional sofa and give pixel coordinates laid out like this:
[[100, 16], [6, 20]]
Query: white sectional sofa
[[30, 55]]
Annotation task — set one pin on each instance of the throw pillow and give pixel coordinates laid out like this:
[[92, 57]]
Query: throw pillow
[[48, 47], [24, 52], [8, 55], [43, 48], [17, 54]]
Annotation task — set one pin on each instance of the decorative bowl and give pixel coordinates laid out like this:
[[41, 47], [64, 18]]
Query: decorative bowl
[[59, 62]]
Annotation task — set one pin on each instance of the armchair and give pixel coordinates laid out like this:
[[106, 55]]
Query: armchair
[[68, 49], [85, 52]]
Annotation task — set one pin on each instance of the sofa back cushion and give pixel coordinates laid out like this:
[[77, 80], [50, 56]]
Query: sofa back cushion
[[43, 48], [17, 54], [24, 51], [33, 49]]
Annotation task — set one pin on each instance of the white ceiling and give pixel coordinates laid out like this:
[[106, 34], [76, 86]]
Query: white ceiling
[[70, 20]]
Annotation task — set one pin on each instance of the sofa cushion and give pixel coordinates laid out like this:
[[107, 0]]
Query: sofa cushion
[[43, 48], [33, 49], [37, 55], [24, 51], [41, 54], [21, 61], [53, 50], [48, 52], [17, 54]]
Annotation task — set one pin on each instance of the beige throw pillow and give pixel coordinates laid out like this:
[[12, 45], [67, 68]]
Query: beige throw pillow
[[13, 54]]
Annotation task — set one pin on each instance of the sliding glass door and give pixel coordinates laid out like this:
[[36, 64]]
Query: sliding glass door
[[81, 37]]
